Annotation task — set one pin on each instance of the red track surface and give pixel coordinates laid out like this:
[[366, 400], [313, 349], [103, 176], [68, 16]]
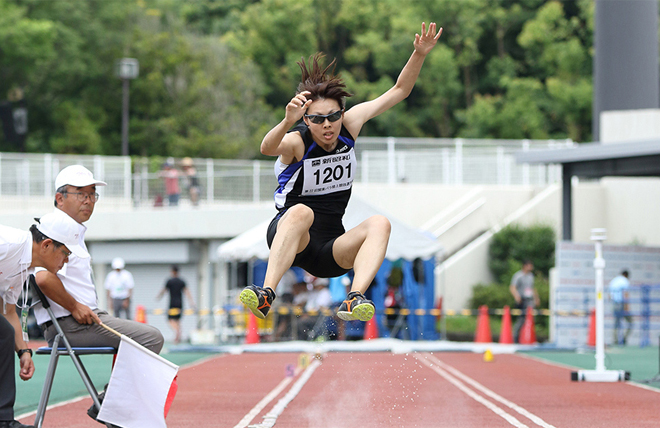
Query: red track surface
[[383, 389]]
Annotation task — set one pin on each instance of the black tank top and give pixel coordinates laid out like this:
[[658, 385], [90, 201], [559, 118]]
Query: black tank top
[[321, 180]]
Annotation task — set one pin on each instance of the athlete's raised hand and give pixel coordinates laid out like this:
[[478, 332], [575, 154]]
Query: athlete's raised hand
[[424, 43], [297, 106]]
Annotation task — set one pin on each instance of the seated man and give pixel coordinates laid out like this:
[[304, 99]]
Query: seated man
[[71, 292], [48, 244]]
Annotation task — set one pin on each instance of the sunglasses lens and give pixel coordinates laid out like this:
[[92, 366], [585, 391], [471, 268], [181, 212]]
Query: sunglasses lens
[[320, 118], [334, 116]]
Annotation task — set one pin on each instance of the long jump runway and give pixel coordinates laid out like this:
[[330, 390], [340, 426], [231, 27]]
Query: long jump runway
[[378, 389]]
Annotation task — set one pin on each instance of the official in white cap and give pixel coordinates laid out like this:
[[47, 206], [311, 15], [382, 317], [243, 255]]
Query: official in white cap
[[48, 245], [119, 283], [71, 292]]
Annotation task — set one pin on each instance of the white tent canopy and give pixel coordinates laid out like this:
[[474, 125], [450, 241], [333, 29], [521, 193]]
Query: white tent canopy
[[405, 242]]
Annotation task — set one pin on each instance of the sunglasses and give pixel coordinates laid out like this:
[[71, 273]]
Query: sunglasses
[[320, 118]]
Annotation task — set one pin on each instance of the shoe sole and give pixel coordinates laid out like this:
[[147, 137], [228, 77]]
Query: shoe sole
[[363, 312], [251, 301]]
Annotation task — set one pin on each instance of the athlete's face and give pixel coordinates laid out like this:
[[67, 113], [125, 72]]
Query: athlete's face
[[327, 132]]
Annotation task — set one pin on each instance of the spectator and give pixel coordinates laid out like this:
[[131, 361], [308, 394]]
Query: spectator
[[283, 321], [119, 283], [171, 176], [192, 181], [619, 295], [523, 291], [394, 302], [318, 299], [176, 287]]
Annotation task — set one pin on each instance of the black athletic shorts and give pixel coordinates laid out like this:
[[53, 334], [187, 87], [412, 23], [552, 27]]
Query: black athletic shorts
[[316, 258]]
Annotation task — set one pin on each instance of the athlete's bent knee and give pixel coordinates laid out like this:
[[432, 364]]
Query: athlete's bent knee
[[299, 215], [380, 224]]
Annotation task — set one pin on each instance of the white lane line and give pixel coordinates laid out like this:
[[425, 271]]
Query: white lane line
[[53, 406], [478, 398], [271, 417], [264, 401], [537, 420]]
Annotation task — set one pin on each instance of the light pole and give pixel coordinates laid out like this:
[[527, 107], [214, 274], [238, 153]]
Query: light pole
[[127, 69]]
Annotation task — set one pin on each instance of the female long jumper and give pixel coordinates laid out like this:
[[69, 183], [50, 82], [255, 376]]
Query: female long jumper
[[315, 169]]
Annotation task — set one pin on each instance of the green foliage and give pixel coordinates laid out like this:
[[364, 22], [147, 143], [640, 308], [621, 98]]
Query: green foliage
[[492, 295], [508, 248], [215, 75], [496, 296], [514, 243]]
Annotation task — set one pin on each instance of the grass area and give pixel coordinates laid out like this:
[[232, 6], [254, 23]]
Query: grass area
[[642, 363]]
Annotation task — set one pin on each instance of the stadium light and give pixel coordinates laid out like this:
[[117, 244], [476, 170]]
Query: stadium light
[[127, 69]]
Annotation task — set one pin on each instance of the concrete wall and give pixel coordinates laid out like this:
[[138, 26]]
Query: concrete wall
[[629, 125]]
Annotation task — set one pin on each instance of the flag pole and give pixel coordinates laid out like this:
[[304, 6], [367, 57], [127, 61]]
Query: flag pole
[[110, 329]]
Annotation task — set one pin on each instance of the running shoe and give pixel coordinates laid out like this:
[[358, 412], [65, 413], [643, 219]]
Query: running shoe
[[356, 307], [258, 299]]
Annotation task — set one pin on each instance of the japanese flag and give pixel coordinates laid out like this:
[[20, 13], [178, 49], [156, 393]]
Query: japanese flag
[[138, 390]]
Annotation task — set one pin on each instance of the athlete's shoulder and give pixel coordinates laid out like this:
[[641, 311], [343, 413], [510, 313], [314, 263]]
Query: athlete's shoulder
[[344, 132]]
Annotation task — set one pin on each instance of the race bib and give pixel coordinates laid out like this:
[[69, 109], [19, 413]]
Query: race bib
[[328, 174]]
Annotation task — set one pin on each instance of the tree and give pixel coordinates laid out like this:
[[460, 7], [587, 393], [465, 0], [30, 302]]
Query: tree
[[514, 244], [215, 74]]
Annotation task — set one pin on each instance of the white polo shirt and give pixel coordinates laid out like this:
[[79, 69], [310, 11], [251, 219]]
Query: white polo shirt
[[76, 276], [119, 283], [15, 261]]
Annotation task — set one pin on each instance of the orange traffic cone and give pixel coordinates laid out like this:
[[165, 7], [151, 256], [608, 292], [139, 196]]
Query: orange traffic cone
[[252, 335], [506, 336], [371, 329], [527, 332], [141, 314], [591, 338], [483, 326]]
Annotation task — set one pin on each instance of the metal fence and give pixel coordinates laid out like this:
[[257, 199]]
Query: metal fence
[[138, 183], [576, 303]]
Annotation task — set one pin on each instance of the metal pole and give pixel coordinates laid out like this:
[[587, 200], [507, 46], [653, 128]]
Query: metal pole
[[124, 118], [567, 203], [598, 236]]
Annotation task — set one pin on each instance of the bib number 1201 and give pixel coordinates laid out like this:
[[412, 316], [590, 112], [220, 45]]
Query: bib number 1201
[[332, 174]]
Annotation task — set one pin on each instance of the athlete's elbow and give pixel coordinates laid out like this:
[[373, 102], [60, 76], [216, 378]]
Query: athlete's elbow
[[266, 150]]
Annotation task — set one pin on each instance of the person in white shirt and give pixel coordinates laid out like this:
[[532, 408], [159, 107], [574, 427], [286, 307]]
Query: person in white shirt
[[119, 283], [318, 299], [71, 292], [48, 245]]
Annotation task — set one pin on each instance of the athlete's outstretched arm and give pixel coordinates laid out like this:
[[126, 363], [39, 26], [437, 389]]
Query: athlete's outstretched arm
[[361, 113]]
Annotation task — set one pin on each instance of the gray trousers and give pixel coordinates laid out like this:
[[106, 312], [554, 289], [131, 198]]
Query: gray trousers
[[95, 335], [118, 308], [523, 305]]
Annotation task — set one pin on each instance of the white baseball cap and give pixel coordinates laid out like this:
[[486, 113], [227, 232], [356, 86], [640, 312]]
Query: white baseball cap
[[118, 263], [61, 228], [78, 176]]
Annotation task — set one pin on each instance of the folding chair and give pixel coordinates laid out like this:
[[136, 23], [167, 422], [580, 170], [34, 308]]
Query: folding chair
[[55, 351]]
